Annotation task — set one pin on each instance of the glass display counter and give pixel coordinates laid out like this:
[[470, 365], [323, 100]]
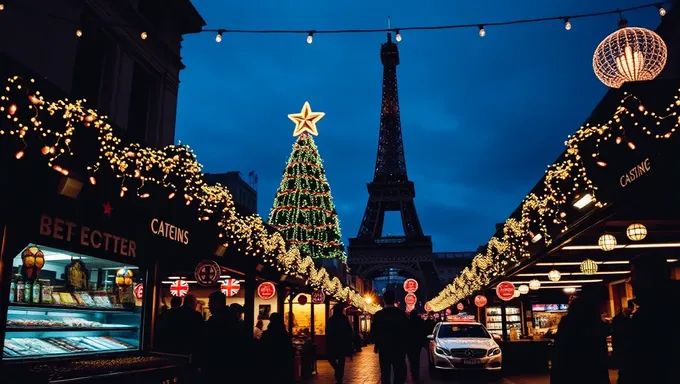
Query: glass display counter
[[65, 305]]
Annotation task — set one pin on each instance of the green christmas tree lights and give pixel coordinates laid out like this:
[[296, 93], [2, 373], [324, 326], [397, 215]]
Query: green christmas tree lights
[[303, 209]]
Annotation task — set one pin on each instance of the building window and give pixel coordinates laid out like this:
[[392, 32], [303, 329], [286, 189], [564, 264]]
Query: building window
[[94, 65], [140, 122]]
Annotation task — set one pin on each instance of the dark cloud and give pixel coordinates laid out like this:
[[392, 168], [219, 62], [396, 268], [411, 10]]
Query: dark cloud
[[482, 117]]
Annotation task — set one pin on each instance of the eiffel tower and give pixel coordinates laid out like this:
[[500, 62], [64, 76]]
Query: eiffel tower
[[371, 253]]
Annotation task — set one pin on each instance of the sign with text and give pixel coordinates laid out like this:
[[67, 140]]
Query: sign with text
[[88, 237], [480, 300], [635, 173], [410, 285], [169, 231], [410, 299], [139, 291], [505, 290], [207, 273], [460, 306], [266, 290]]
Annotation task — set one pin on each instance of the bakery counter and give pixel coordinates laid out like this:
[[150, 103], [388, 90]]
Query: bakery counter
[[131, 368]]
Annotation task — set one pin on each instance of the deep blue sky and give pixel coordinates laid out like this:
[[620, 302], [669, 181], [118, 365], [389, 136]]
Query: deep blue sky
[[481, 117]]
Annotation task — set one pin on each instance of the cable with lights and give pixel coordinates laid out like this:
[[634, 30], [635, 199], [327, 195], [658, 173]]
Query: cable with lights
[[220, 32], [544, 214], [52, 127]]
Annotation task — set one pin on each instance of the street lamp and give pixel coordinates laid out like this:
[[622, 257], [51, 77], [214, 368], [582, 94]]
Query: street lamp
[[368, 299]]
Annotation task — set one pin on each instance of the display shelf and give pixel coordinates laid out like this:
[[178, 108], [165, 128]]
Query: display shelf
[[71, 329], [70, 308]]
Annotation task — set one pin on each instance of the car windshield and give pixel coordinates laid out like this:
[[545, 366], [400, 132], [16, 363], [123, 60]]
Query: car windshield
[[462, 330]]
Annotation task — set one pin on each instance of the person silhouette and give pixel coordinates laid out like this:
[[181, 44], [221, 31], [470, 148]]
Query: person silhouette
[[339, 341], [388, 325]]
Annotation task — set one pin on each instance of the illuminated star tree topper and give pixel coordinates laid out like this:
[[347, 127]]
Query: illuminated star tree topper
[[306, 120]]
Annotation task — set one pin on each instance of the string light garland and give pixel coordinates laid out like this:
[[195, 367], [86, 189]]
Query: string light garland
[[544, 213], [52, 127], [303, 210], [220, 32]]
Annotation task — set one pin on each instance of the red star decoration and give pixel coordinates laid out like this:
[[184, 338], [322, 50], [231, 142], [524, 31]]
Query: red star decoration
[[107, 208]]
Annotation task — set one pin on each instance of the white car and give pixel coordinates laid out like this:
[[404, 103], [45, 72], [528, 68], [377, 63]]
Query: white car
[[464, 346]]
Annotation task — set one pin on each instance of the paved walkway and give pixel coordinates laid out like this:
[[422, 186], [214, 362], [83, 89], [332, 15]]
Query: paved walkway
[[364, 369]]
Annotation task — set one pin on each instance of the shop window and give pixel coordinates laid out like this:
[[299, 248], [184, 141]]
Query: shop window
[[64, 304]]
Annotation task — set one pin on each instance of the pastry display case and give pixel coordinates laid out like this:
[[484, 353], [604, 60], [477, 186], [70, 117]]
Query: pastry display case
[[494, 320], [66, 304]]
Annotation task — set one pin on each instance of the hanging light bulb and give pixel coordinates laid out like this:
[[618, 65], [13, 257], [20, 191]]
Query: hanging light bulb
[[2, 7], [567, 24], [310, 37], [144, 35], [79, 33], [662, 10], [534, 284], [482, 32], [218, 37], [398, 35]]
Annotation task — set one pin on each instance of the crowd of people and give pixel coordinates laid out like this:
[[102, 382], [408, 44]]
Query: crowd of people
[[221, 347], [643, 351]]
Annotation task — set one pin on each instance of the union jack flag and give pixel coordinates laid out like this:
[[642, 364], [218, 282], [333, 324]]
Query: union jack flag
[[179, 288], [230, 287]]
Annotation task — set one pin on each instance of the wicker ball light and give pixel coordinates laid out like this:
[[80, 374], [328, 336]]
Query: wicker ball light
[[629, 54], [607, 242], [554, 275], [588, 267], [534, 284], [523, 289], [636, 231]]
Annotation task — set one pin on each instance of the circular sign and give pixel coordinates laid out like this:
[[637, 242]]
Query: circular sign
[[428, 307], [410, 299], [266, 290], [505, 290], [207, 273], [139, 291], [460, 306], [302, 299], [318, 297], [179, 288], [480, 301], [448, 311], [410, 285], [230, 287]]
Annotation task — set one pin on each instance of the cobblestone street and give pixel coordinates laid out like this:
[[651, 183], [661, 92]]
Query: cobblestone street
[[364, 369]]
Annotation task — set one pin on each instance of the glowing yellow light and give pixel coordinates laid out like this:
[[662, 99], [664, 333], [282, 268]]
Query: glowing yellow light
[[93, 181], [310, 37], [218, 37], [144, 195], [629, 54], [79, 33], [398, 36], [12, 109], [567, 24], [368, 299], [482, 31], [144, 35], [306, 120], [19, 155]]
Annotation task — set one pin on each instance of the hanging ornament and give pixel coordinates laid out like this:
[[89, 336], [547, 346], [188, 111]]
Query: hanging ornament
[[554, 275], [629, 54], [523, 289], [607, 242], [534, 284], [588, 267], [33, 259], [636, 231], [124, 277]]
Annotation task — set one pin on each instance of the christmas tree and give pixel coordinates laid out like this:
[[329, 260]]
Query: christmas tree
[[303, 209]]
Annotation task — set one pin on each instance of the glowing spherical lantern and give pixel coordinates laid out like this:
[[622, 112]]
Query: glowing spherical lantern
[[629, 54], [554, 275], [124, 277], [517, 293], [607, 242], [534, 284], [588, 267], [523, 289], [33, 259], [636, 231]]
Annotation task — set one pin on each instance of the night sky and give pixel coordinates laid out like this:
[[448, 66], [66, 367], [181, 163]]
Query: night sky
[[481, 117]]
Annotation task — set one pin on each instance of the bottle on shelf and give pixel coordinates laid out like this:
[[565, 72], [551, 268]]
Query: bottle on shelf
[[13, 290], [28, 292], [35, 295], [20, 289]]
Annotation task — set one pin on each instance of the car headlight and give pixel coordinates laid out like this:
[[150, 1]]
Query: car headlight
[[494, 352], [442, 351]]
